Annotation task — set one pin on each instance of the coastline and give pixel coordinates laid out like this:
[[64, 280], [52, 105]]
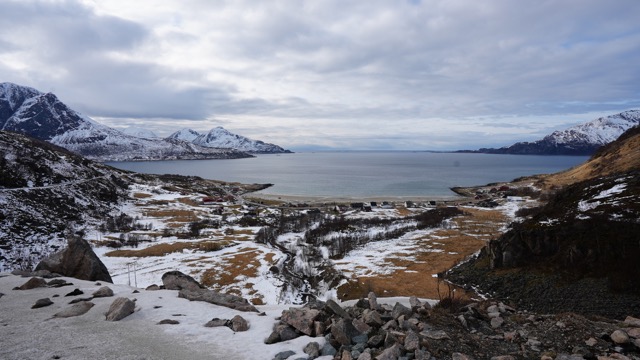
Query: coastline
[[348, 199]]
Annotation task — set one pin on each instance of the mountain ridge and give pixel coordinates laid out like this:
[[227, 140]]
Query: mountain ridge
[[582, 139], [43, 116], [219, 137]]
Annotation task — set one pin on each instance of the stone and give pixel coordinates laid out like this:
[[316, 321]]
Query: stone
[[510, 336], [312, 349], [284, 355], [392, 353], [152, 287], [391, 324], [238, 323], [168, 322], [630, 320], [411, 341], [634, 333], [619, 337], [75, 310], [216, 298], [301, 319], [346, 355], [503, 357], [104, 291], [365, 356], [318, 328], [281, 332], [328, 350], [422, 355], [591, 342], [215, 322], [176, 280], [77, 260], [56, 283], [77, 300], [33, 283], [332, 307], [497, 322], [343, 331], [414, 302], [373, 301], [399, 310], [435, 334], [75, 292], [493, 309], [361, 326], [120, 308], [461, 356], [362, 303], [42, 303], [360, 339], [375, 341], [463, 321]]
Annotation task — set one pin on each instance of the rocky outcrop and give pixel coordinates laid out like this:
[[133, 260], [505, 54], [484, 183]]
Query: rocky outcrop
[[78, 261], [176, 280], [216, 298], [465, 331]]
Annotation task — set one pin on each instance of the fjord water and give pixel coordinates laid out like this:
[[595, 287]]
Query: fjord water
[[363, 174]]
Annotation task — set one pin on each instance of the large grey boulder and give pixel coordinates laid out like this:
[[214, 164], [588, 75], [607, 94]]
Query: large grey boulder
[[33, 283], [176, 280], [77, 260], [104, 291], [75, 310], [216, 298], [301, 319], [120, 308]]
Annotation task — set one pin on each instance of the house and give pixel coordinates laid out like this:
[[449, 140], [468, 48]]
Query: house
[[374, 204], [357, 205], [409, 204]]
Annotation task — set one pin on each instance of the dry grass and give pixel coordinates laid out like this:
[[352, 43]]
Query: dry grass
[[173, 215], [226, 274], [473, 230], [141, 195], [164, 249], [188, 201]]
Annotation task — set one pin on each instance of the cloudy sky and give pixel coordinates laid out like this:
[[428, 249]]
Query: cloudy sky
[[369, 74]]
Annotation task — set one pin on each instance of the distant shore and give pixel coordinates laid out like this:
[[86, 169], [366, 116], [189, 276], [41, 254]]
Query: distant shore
[[350, 199]]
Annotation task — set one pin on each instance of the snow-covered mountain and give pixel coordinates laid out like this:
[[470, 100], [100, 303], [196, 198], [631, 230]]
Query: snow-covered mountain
[[42, 116], [221, 138], [140, 132], [583, 139]]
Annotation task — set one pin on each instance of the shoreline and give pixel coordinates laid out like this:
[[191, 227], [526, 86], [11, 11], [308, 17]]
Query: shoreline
[[349, 199]]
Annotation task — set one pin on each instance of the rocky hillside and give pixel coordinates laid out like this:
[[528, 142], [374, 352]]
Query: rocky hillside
[[582, 139], [43, 116], [221, 138], [46, 191], [580, 251]]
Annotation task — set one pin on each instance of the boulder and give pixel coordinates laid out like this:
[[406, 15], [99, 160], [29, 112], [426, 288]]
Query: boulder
[[281, 332], [216, 322], [391, 353], [75, 310], [332, 307], [399, 310], [343, 331], [412, 341], [630, 320], [168, 322], [152, 287], [56, 283], [373, 301], [176, 280], [120, 308], [104, 291], [77, 300], [32, 283], [75, 292], [301, 318], [619, 337], [238, 323], [216, 298], [77, 260], [42, 303], [312, 349], [284, 355]]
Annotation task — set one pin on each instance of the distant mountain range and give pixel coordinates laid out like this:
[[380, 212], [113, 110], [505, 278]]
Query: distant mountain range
[[582, 139], [221, 138], [43, 116]]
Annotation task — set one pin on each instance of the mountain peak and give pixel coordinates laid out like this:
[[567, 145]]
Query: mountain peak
[[219, 137]]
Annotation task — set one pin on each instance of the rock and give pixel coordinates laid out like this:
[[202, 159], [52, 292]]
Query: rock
[[591, 342], [503, 357], [422, 355], [392, 353], [312, 349], [343, 331], [399, 310], [365, 356], [375, 341], [346, 355], [152, 287], [328, 350], [373, 301], [363, 303], [301, 319], [74, 301], [634, 333], [435, 334], [216, 298], [332, 307], [120, 308], [391, 324], [281, 332], [361, 326], [75, 292], [32, 283], [411, 341], [493, 309], [534, 344], [360, 339], [168, 322], [414, 302], [176, 280], [77, 260], [635, 322], [75, 310], [42, 303], [619, 337], [283, 355], [1, 295], [238, 323], [56, 283], [215, 322], [104, 291], [318, 328], [497, 322]]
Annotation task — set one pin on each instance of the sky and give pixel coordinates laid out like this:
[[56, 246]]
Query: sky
[[332, 74]]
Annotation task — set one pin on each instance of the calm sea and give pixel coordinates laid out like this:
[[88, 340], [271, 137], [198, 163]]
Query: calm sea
[[363, 174]]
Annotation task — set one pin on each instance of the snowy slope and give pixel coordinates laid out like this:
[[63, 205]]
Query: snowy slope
[[221, 138], [140, 132], [583, 139], [43, 116]]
